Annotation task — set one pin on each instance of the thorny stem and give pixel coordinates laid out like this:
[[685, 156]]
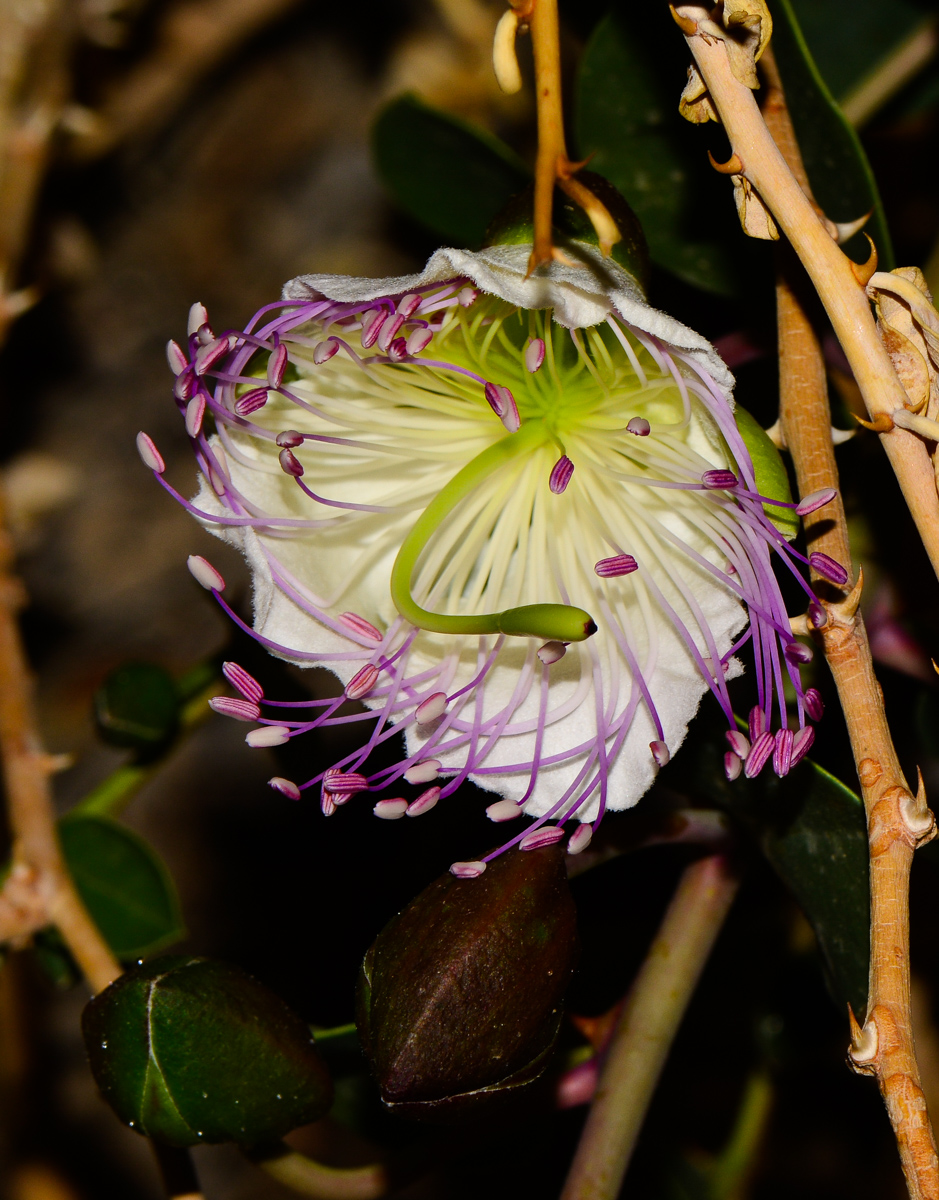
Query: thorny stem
[[897, 822], [830, 270], [647, 1028]]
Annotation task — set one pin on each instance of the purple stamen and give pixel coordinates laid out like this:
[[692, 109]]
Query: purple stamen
[[371, 327], [409, 304], [815, 500], [560, 475], [502, 403], [286, 786], [347, 783], [733, 765], [757, 722], [798, 652], [782, 752], [580, 838], [185, 385], [290, 464], [198, 317], [719, 480], [620, 564], [423, 772], [391, 810], [176, 358], [431, 709], [467, 870], [359, 625], [534, 355], [289, 438], [759, 754], [639, 426], [738, 743], [418, 340], [250, 402], [814, 705], [207, 356], [817, 615], [833, 571], [503, 810], [276, 366], [398, 350], [424, 803], [195, 411], [547, 835], [551, 652], [242, 682], [230, 706], [324, 351], [148, 452], [388, 332], [801, 744], [362, 682], [660, 752], [268, 735], [203, 572]]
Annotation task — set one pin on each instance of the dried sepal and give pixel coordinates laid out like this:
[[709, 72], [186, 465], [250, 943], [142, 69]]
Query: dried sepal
[[909, 328], [755, 218], [695, 103], [745, 29]]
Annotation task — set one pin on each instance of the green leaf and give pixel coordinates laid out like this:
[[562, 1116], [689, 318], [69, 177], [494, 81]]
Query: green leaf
[[834, 158], [124, 884], [769, 471], [446, 173], [137, 707], [626, 117]]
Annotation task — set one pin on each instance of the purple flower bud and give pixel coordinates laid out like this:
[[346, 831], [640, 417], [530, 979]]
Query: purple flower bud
[[782, 752], [203, 572], [391, 810], [814, 705], [430, 709], [551, 652], [423, 772], [580, 838], [739, 744], [268, 735], [148, 452], [250, 402], [815, 500], [733, 765], [719, 480], [639, 426], [611, 568], [289, 438], [801, 745], [230, 706], [276, 366], [759, 754], [290, 464], [798, 652], [534, 355], [242, 682], [362, 682], [324, 351], [418, 340], [198, 316], [660, 752], [560, 475], [409, 304], [176, 358], [467, 870], [424, 803], [828, 568], [286, 786], [371, 326], [547, 835], [195, 411], [503, 810], [360, 626]]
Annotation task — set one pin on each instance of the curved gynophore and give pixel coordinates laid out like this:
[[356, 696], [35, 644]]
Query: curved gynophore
[[458, 421]]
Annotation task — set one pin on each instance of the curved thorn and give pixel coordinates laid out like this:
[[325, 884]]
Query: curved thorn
[[864, 272], [882, 422], [733, 166], [685, 24]]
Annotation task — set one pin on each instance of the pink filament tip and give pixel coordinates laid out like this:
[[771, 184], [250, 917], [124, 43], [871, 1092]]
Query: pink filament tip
[[242, 682], [148, 452], [198, 316], [360, 626], [733, 765], [276, 366], [430, 709], [738, 743], [759, 754], [580, 838], [231, 706], [418, 340], [467, 870], [639, 426], [560, 475], [176, 358], [719, 480], [801, 745], [424, 803], [268, 735], [620, 564], [814, 705], [815, 500], [362, 682], [423, 772], [290, 464], [390, 810], [782, 752], [324, 351], [503, 810], [547, 835], [551, 652], [250, 402], [289, 438], [833, 571], [660, 752], [203, 572], [534, 355], [285, 786], [195, 411]]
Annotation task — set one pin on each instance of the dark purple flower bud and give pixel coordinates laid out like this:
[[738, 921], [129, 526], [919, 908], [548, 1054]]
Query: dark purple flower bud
[[560, 475], [290, 464], [828, 568], [611, 568], [459, 999], [814, 705], [719, 480], [289, 438]]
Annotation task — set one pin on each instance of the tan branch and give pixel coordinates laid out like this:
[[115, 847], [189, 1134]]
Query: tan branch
[[897, 821]]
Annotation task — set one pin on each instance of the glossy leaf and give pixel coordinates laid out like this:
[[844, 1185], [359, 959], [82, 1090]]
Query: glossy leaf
[[626, 117], [838, 170], [137, 707], [446, 173], [127, 889]]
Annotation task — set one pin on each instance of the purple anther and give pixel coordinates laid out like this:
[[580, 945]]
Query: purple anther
[[276, 366], [195, 411], [268, 735], [391, 810], [639, 426], [409, 304], [660, 752], [242, 682], [833, 571], [389, 331], [176, 357], [371, 326], [814, 705], [818, 617], [502, 403], [360, 626], [423, 772], [347, 783], [327, 804], [185, 384], [362, 682], [580, 838], [324, 351], [419, 340], [203, 572], [286, 786], [290, 464], [733, 765], [551, 652], [620, 564], [534, 355], [759, 754], [547, 835], [782, 752], [801, 745], [798, 652], [198, 316], [757, 722], [815, 500], [424, 803], [207, 356], [503, 810], [430, 709], [250, 402], [467, 296], [739, 744], [231, 706], [289, 438], [560, 475], [398, 350], [149, 454], [467, 870], [716, 481]]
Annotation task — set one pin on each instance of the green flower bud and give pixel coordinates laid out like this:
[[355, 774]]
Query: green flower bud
[[460, 996], [187, 1050]]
